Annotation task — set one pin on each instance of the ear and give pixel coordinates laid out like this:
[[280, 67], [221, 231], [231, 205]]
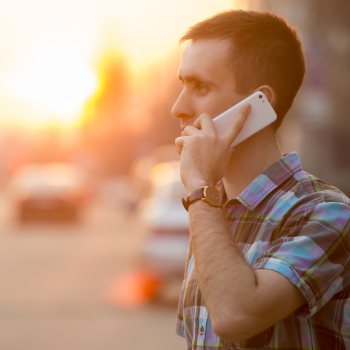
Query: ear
[[269, 93]]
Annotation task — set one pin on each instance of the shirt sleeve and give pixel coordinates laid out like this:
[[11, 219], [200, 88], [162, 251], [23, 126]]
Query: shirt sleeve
[[313, 251], [180, 330]]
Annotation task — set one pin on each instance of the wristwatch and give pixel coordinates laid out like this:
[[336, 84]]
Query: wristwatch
[[209, 194]]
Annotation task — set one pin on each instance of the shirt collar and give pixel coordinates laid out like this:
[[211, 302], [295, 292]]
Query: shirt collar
[[266, 182]]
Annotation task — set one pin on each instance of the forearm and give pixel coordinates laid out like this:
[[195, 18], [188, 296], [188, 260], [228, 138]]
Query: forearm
[[227, 283]]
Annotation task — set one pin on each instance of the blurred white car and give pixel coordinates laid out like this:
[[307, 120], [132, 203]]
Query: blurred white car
[[166, 241], [49, 191]]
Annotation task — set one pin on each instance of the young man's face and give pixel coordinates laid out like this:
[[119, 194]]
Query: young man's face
[[208, 82]]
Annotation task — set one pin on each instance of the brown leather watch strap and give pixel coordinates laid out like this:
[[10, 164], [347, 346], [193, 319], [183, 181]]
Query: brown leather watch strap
[[192, 197]]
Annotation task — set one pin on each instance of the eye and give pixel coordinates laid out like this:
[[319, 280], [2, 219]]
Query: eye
[[201, 88]]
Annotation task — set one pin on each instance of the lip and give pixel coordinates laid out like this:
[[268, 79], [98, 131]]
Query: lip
[[182, 133]]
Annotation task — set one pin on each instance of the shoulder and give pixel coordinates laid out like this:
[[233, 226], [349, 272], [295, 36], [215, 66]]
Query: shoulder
[[305, 190], [317, 200], [303, 195], [317, 188]]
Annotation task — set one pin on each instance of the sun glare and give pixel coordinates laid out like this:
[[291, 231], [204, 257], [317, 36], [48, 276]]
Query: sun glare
[[45, 72], [58, 81]]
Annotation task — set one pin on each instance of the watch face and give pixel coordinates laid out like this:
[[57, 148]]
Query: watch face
[[212, 195]]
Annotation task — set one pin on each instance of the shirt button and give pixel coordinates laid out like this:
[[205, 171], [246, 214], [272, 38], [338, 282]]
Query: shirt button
[[201, 330]]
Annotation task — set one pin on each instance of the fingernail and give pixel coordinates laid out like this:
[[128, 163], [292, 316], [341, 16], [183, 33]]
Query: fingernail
[[248, 106]]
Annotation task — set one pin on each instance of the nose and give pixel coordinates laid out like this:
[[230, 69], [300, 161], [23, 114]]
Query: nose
[[182, 108]]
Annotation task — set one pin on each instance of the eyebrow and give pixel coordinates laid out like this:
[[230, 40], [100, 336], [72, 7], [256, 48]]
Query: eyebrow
[[196, 78]]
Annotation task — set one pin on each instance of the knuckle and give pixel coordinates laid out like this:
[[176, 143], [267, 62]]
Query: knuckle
[[191, 140], [212, 138], [187, 129]]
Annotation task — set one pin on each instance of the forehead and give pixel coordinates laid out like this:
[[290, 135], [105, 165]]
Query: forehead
[[207, 58]]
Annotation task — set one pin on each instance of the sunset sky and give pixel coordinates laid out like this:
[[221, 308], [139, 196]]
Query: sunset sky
[[49, 49]]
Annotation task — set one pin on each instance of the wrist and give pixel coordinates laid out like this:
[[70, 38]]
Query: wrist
[[208, 194], [195, 186], [201, 205]]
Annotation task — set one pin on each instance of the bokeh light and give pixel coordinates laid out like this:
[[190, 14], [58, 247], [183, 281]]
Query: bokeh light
[[161, 174]]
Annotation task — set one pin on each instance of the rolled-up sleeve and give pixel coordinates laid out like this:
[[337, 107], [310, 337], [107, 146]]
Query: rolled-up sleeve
[[313, 251]]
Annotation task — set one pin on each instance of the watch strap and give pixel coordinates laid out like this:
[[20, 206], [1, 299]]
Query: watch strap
[[192, 197]]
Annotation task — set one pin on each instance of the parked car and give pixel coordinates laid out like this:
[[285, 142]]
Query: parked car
[[166, 241], [49, 191]]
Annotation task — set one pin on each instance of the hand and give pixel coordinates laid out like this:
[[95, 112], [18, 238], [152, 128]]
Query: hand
[[205, 154]]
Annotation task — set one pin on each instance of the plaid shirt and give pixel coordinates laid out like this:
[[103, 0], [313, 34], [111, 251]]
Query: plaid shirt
[[288, 221]]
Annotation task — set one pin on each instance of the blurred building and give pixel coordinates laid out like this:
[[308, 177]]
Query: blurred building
[[318, 125], [122, 122]]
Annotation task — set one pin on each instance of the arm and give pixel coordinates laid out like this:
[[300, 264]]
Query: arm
[[237, 298], [241, 302]]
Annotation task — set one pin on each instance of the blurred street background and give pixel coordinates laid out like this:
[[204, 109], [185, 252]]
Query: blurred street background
[[93, 236]]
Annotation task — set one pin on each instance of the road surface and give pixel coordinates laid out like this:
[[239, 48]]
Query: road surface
[[58, 280]]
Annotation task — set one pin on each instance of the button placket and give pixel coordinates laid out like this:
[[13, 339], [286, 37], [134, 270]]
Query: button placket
[[203, 324], [201, 331]]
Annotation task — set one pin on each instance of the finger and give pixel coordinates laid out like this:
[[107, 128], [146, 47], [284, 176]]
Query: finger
[[230, 152], [232, 131], [205, 122], [190, 131], [179, 143], [178, 149]]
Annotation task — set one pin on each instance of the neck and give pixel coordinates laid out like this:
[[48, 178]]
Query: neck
[[250, 159]]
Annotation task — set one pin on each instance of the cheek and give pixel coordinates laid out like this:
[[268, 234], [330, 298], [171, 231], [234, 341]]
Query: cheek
[[207, 104], [224, 102]]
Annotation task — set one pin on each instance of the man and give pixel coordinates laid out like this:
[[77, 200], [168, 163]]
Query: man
[[268, 266]]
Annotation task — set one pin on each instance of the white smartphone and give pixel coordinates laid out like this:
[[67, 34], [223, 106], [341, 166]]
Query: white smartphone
[[260, 116]]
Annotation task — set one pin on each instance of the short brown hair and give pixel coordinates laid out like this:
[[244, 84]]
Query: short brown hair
[[265, 50]]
